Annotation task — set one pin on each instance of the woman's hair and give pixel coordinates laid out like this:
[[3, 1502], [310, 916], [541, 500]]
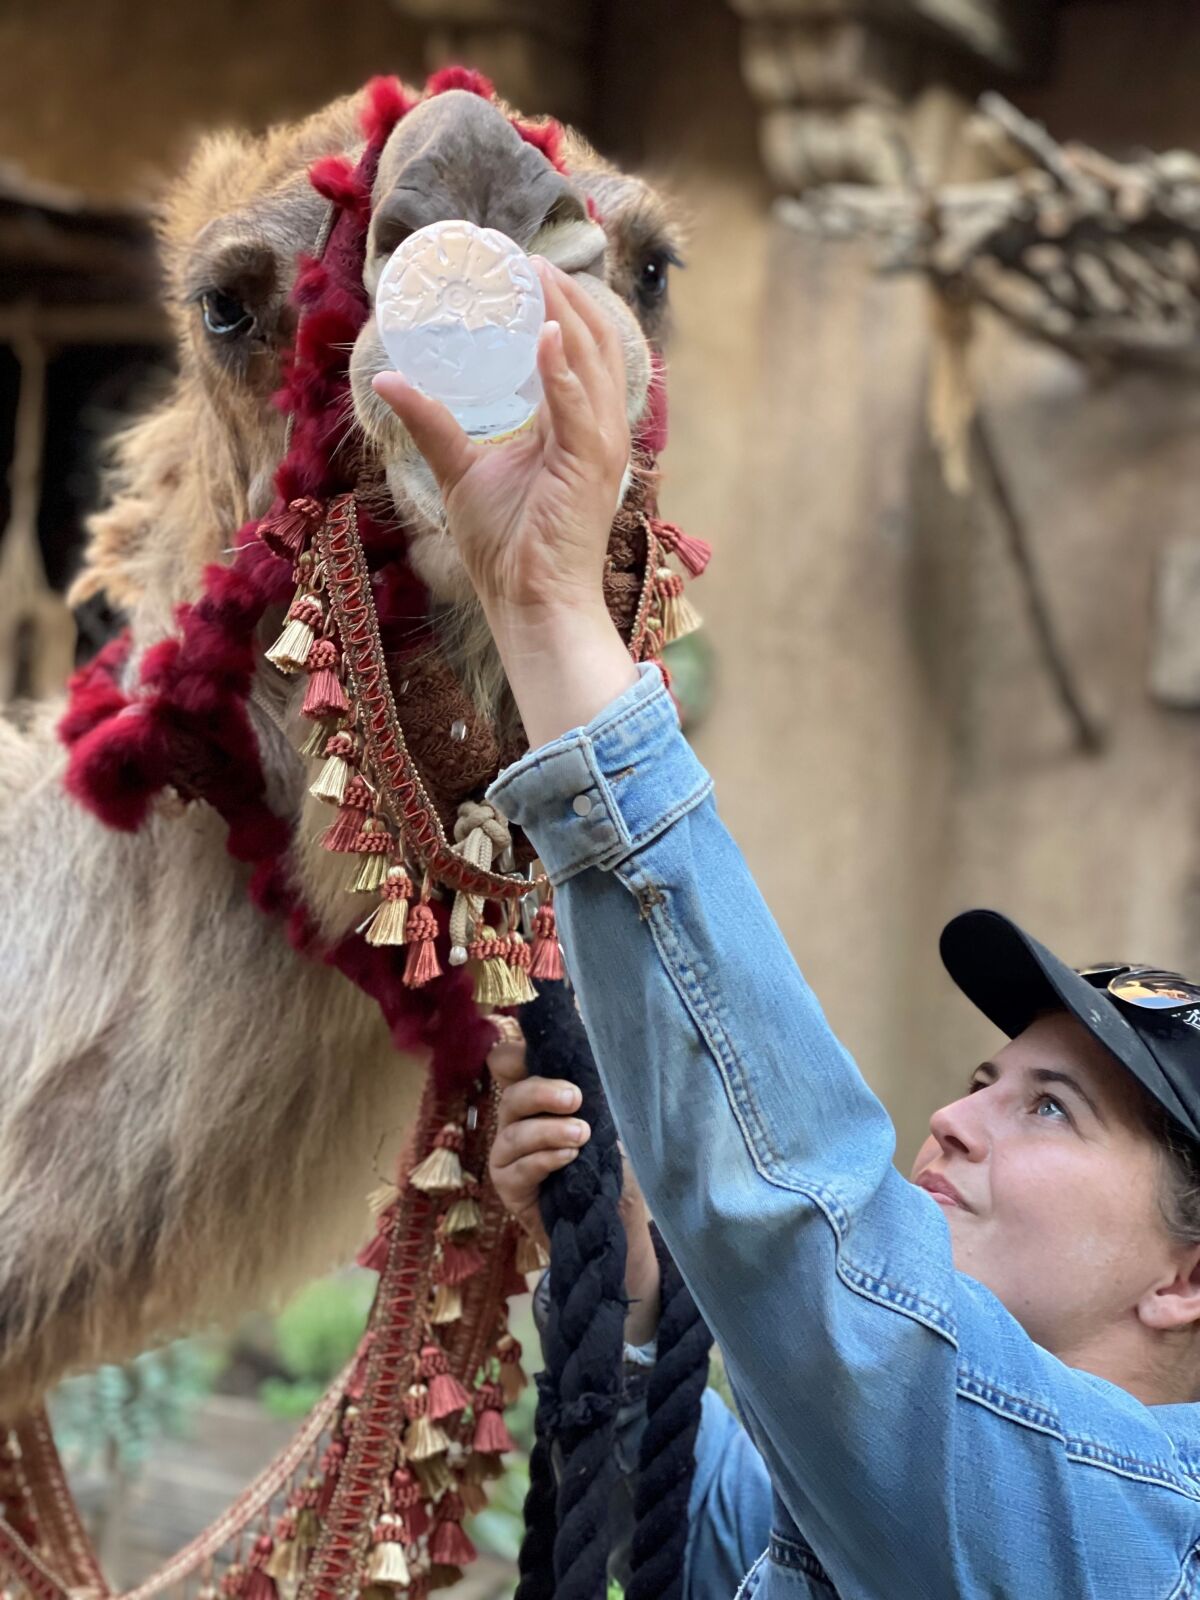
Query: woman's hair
[[1179, 1192]]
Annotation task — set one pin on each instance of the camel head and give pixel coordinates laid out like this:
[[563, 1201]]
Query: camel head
[[233, 227]]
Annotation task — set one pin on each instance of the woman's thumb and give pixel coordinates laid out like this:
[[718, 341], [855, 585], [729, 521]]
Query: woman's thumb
[[434, 430]]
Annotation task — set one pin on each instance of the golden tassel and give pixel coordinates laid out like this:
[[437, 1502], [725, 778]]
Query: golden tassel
[[463, 1217], [679, 617], [374, 846], [441, 1171], [291, 650], [492, 984], [433, 1475], [381, 1198], [387, 1565], [447, 1304], [319, 736], [386, 926], [531, 1257], [520, 959]]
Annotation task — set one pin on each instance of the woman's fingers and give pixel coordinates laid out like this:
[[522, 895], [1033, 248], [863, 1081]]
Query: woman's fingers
[[533, 1135], [580, 338], [537, 1097], [572, 420], [562, 289], [434, 430]]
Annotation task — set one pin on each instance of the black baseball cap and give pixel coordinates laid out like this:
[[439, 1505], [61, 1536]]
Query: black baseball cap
[[1012, 978]]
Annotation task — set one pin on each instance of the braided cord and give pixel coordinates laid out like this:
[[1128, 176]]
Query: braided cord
[[580, 1390], [667, 1458]]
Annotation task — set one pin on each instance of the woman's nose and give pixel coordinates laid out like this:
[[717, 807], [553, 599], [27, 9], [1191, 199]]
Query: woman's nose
[[961, 1127]]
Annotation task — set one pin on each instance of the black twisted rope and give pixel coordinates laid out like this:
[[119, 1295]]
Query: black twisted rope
[[579, 1392], [667, 1456]]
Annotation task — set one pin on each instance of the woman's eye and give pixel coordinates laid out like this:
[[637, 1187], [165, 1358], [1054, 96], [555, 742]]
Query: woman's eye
[[1046, 1103], [225, 317]]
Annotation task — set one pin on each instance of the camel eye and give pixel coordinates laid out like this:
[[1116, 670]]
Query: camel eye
[[224, 316], [652, 279]]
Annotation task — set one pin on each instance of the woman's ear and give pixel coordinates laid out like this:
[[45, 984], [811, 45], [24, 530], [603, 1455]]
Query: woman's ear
[[1175, 1303]]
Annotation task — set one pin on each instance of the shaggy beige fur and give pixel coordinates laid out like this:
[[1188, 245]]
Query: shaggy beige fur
[[190, 1113]]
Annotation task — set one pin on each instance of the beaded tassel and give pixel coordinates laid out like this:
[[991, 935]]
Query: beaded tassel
[[695, 554], [447, 1397], [334, 778], [449, 1545], [387, 925], [291, 650], [343, 833], [492, 1437], [441, 1171], [287, 531], [387, 1565], [678, 617], [422, 965], [546, 959], [373, 846], [422, 1437], [519, 958], [324, 696], [493, 985]]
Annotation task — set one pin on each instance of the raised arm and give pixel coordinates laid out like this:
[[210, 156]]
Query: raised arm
[[913, 1430]]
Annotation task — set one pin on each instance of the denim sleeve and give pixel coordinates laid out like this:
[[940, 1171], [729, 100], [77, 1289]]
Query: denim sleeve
[[922, 1443]]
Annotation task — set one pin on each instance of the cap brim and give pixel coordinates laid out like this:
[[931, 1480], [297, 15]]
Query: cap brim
[[1012, 979]]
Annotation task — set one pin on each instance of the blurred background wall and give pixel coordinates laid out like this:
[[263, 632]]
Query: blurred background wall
[[887, 744]]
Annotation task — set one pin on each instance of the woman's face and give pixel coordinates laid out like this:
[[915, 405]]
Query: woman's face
[[1057, 1181]]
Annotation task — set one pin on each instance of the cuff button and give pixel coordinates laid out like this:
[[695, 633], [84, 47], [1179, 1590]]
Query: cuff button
[[581, 805]]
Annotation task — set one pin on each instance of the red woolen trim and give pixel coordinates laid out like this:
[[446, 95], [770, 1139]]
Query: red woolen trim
[[456, 77]]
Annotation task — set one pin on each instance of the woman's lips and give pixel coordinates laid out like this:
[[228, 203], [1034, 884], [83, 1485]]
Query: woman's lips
[[942, 1190]]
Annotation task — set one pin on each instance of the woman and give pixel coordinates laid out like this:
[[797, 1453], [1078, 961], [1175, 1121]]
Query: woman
[[981, 1383]]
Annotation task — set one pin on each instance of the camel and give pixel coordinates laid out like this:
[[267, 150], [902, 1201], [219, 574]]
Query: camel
[[191, 1113]]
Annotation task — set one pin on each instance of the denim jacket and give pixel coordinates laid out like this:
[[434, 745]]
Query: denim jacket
[[919, 1445]]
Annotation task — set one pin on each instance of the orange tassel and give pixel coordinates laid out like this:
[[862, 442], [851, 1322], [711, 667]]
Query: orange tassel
[[342, 834], [546, 963], [695, 554], [324, 696], [422, 965], [286, 532], [449, 1545], [492, 1437]]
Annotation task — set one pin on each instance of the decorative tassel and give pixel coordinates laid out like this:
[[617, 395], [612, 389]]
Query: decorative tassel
[[449, 1545], [482, 1469], [434, 1476], [422, 1438], [382, 1197], [474, 1496], [519, 959], [679, 617], [374, 845], [291, 650], [387, 1565], [512, 1375], [406, 1497], [287, 1561], [232, 1582], [343, 833], [286, 532], [491, 1437], [324, 696], [334, 778], [531, 1256], [259, 1584], [464, 1216], [695, 554], [459, 1262], [441, 1171], [493, 986], [447, 1304], [447, 1397], [546, 960], [422, 965], [374, 1255], [318, 737], [388, 923]]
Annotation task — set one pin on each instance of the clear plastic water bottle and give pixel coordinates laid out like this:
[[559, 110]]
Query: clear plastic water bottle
[[459, 310]]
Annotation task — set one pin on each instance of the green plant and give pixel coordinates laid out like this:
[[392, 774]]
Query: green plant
[[315, 1336], [113, 1416]]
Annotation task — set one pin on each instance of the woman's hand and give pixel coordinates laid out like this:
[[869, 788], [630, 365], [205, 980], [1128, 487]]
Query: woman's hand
[[537, 1134], [531, 516]]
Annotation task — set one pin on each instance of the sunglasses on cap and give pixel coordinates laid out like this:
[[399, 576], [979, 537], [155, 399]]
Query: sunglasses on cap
[[1148, 987]]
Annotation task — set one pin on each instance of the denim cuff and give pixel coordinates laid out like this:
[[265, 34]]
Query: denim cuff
[[596, 794]]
